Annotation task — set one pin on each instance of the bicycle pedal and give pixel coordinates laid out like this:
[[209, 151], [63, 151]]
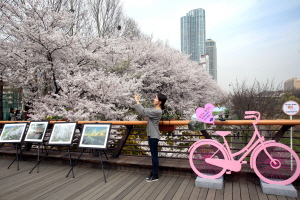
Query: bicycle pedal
[[244, 162], [228, 172]]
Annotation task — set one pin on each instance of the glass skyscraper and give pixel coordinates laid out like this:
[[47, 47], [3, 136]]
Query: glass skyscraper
[[211, 51], [193, 35]]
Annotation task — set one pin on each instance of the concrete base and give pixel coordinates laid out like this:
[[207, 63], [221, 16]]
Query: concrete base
[[283, 190], [209, 183]]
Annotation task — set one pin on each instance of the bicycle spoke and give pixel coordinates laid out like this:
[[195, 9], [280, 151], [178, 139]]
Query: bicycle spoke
[[280, 167]]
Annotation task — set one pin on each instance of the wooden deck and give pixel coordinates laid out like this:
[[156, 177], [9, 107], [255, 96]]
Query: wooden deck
[[51, 183]]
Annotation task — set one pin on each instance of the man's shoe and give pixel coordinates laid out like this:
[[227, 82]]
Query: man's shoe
[[153, 178], [148, 178]]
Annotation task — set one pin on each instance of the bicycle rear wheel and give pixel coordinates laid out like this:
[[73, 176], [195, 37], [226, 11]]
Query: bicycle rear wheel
[[203, 150], [284, 170]]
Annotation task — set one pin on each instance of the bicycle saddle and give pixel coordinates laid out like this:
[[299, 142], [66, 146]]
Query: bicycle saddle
[[223, 133]]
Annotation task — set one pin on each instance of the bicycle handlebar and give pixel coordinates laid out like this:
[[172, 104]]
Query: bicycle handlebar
[[252, 114]]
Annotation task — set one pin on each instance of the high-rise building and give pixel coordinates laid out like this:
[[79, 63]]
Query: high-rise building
[[204, 62], [292, 84], [193, 35], [211, 50]]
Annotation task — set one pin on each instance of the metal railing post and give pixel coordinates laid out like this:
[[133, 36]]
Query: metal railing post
[[122, 142]]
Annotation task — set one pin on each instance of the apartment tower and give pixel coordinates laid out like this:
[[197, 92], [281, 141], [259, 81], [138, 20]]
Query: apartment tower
[[193, 35], [211, 51]]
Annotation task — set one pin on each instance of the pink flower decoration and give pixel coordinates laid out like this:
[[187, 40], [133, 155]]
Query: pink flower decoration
[[205, 114]]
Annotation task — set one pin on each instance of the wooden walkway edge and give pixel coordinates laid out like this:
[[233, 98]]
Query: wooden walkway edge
[[122, 183]]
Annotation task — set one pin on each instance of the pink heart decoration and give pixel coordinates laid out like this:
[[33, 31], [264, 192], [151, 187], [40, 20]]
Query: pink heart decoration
[[205, 114]]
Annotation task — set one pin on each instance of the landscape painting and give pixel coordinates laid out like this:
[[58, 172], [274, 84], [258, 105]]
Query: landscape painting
[[13, 133], [95, 136], [36, 132], [62, 133]]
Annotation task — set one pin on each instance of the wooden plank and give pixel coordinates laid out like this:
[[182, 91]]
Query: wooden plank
[[170, 186], [291, 198], [158, 188], [174, 188], [136, 189], [113, 176], [122, 186], [22, 186], [148, 188], [228, 190], [181, 189], [236, 191], [101, 191], [134, 184], [203, 193], [252, 190], [281, 197], [195, 192], [72, 183], [219, 194], [244, 190], [272, 197], [189, 189], [260, 194], [211, 194], [53, 185]]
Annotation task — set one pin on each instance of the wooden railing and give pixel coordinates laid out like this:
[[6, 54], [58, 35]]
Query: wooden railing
[[129, 137]]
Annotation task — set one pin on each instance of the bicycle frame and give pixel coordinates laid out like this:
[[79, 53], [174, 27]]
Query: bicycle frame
[[252, 143], [211, 159]]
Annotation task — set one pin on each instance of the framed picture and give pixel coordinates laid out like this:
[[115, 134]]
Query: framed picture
[[36, 132], [95, 136], [62, 133], [13, 133]]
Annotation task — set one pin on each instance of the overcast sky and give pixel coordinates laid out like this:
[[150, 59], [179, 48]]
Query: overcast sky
[[256, 39]]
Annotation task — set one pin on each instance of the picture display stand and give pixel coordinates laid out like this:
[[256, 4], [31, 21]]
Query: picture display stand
[[94, 136], [35, 134], [62, 135], [17, 155], [13, 133]]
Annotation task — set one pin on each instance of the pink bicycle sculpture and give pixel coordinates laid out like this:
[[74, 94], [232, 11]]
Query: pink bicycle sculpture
[[273, 162]]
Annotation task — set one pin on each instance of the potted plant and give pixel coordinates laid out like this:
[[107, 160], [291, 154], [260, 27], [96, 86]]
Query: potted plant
[[226, 113], [56, 118], [168, 117]]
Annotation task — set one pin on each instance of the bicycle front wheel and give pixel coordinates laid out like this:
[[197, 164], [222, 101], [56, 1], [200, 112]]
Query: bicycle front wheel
[[285, 166], [203, 150]]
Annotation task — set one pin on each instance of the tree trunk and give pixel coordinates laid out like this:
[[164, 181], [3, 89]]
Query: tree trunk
[[1, 99]]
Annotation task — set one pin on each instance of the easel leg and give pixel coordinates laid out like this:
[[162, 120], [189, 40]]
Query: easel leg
[[102, 165], [70, 161], [38, 169], [73, 165], [16, 159], [41, 159], [105, 154]]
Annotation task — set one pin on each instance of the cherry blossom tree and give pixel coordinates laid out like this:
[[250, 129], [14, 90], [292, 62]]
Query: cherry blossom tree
[[86, 77]]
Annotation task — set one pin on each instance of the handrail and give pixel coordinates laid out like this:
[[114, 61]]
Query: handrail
[[121, 139], [185, 122], [217, 122]]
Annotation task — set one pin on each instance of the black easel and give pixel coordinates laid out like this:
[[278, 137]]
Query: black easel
[[38, 169], [102, 163], [100, 156], [17, 156], [40, 160], [73, 165]]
